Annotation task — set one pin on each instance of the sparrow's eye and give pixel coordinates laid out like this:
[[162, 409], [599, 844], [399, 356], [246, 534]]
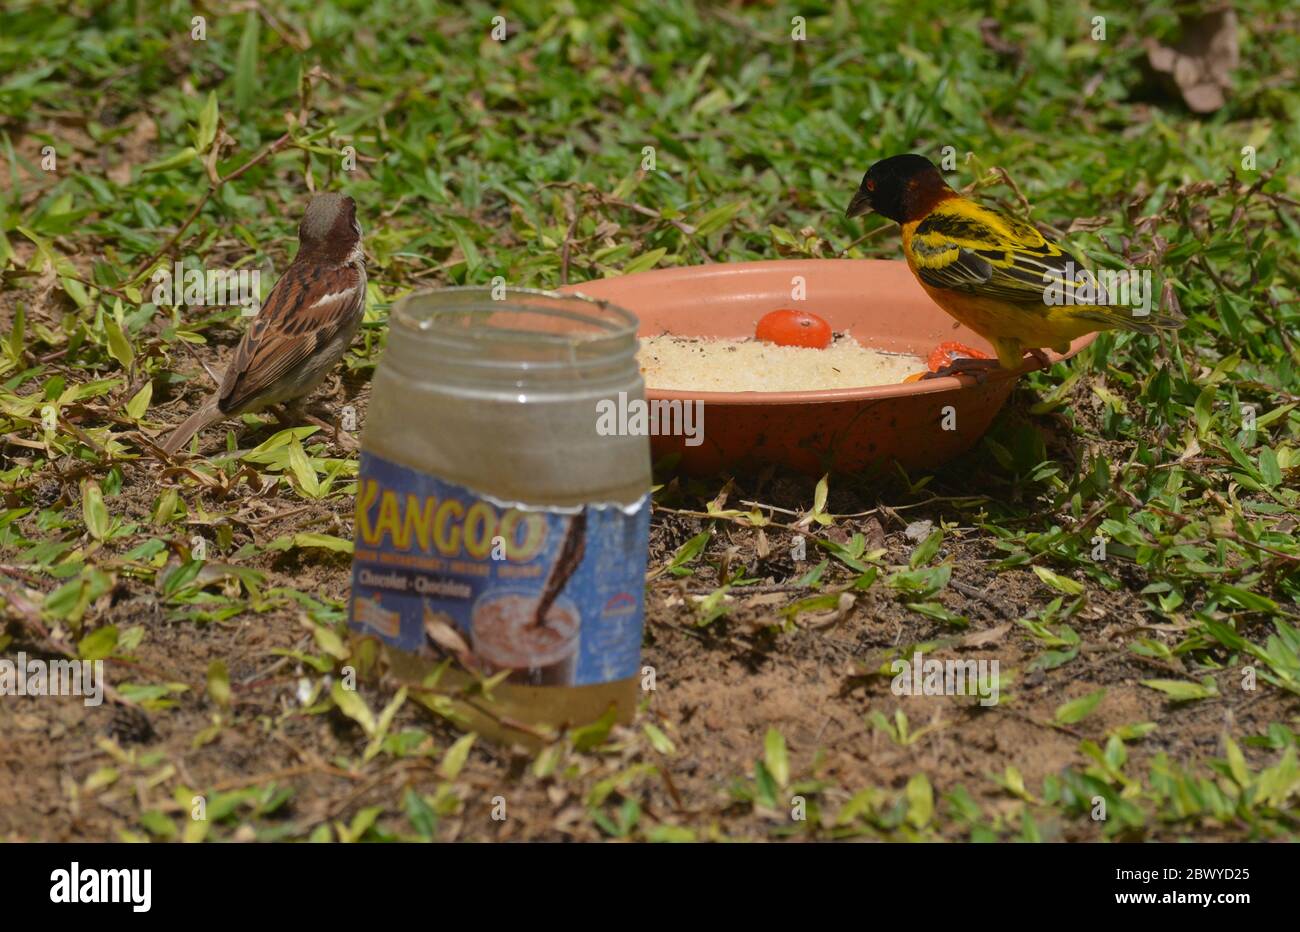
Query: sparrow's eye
[[871, 185]]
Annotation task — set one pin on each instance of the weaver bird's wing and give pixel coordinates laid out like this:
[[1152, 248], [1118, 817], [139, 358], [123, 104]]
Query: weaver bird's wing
[[965, 247]]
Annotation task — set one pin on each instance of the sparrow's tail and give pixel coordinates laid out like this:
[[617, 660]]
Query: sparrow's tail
[[208, 414]]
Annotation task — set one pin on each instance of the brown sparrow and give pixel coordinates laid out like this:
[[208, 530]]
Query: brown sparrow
[[305, 326]]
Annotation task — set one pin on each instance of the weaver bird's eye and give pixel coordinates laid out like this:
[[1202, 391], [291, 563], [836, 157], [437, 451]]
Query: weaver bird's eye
[[871, 186]]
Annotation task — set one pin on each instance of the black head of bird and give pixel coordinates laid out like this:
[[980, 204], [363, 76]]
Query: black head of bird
[[901, 187]]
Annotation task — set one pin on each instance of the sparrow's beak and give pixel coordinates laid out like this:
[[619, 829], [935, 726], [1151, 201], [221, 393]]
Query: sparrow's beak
[[860, 204]]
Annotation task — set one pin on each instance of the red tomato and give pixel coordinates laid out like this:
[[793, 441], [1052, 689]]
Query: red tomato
[[794, 328], [945, 353]]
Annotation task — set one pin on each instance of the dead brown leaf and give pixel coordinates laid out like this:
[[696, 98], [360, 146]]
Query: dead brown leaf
[[1199, 67], [987, 636], [991, 33]]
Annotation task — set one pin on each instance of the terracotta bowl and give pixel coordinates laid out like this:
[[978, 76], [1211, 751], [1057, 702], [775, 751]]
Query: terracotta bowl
[[836, 430]]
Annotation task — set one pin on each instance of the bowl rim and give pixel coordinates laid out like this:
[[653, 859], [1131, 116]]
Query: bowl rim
[[948, 383]]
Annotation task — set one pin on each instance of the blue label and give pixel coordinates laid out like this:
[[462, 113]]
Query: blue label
[[554, 596]]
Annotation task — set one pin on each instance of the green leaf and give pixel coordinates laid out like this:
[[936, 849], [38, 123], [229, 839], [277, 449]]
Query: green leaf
[[1014, 782], [670, 834], [1236, 763], [184, 157], [420, 814], [309, 539], [157, 824], [207, 130], [1271, 416], [152, 696], [98, 644], [302, 470], [1268, 468], [921, 583], [814, 603], [1079, 709], [1183, 691], [104, 776], [776, 758], [219, 683], [644, 262], [454, 760], [589, 736], [1204, 410], [765, 785], [362, 822], [353, 706], [939, 612], [658, 740], [844, 555], [384, 723], [718, 217], [1245, 598], [328, 640], [712, 607], [1239, 457], [139, 403], [93, 510], [1134, 731], [246, 62], [1062, 584], [166, 508], [926, 550], [1279, 782], [820, 494], [75, 291], [782, 236], [920, 801], [119, 347], [810, 579], [1113, 401], [16, 335], [687, 552]]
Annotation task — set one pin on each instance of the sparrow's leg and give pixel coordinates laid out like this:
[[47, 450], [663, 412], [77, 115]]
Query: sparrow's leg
[[337, 434], [292, 415], [340, 436], [283, 417]]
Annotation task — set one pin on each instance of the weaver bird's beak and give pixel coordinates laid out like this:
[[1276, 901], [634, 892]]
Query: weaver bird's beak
[[860, 204]]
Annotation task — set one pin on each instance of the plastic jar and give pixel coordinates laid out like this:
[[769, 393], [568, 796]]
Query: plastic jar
[[495, 522]]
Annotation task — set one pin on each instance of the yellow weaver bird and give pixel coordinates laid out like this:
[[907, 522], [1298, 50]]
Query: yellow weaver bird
[[989, 270]]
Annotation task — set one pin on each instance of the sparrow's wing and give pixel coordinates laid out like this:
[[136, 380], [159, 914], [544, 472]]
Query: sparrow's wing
[[969, 248], [307, 308]]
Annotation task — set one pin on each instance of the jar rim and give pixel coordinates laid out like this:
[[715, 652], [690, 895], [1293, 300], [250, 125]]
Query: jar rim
[[612, 323]]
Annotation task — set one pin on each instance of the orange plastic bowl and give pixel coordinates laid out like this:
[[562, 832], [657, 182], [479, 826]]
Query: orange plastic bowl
[[837, 430]]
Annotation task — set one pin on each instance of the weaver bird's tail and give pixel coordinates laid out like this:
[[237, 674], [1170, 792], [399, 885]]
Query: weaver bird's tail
[[1121, 319], [208, 414]]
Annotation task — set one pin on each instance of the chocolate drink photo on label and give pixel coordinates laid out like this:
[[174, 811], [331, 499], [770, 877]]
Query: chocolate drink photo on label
[[551, 595]]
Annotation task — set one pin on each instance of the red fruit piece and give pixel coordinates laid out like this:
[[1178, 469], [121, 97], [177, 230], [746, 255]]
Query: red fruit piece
[[945, 353], [787, 327]]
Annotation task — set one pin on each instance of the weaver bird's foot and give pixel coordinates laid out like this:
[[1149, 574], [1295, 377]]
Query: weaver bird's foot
[[952, 358], [978, 369], [1040, 356]]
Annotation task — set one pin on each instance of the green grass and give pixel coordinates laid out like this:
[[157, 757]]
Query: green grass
[[481, 159]]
